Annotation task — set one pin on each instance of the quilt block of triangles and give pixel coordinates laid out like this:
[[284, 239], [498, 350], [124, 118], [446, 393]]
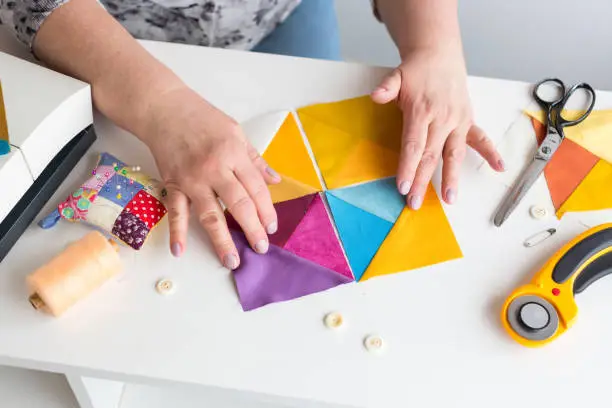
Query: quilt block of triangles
[[351, 225]]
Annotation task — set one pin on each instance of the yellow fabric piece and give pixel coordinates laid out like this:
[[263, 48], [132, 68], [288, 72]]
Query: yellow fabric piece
[[340, 132], [594, 193], [418, 238], [289, 189], [594, 133], [287, 155], [381, 163]]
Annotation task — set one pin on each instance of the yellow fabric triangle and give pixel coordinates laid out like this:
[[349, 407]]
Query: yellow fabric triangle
[[594, 193], [367, 161], [594, 134], [289, 189], [287, 155], [335, 129], [418, 239]]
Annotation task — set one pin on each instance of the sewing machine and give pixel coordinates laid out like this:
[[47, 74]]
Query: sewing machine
[[49, 118]]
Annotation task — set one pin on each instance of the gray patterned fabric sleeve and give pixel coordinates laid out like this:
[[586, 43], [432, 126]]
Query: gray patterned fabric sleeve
[[24, 17]]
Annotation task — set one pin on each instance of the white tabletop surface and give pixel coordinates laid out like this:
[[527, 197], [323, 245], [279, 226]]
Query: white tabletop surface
[[446, 346]]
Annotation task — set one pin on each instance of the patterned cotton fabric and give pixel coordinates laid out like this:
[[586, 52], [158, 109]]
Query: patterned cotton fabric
[[236, 24], [117, 199]]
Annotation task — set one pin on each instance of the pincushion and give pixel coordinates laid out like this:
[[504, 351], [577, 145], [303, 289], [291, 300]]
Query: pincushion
[[118, 199]]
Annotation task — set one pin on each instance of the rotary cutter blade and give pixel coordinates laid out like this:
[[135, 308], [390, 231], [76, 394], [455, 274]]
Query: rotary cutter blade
[[539, 312]]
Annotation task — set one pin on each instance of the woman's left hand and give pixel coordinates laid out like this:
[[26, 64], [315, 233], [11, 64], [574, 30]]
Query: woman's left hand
[[430, 86]]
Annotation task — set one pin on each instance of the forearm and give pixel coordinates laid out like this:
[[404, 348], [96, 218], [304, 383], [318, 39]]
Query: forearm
[[419, 24], [82, 40]]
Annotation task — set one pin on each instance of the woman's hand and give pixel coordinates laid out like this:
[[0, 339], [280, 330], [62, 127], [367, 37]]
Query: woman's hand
[[430, 87], [202, 154]]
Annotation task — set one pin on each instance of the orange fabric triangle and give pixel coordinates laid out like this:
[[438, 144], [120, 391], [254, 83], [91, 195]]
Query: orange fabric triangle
[[568, 167], [289, 189], [343, 133], [418, 239], [288, 155]]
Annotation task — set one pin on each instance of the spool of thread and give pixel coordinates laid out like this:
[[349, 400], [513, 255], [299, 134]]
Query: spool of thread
[[74, 274]]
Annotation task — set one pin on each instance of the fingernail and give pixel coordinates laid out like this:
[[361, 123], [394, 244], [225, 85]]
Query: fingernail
[[230, 261], [450, 195], [404, 187], [272, 228], [415, 202], [380, 89], [501, 164], [273, 173], [262, 246], [176, 249]]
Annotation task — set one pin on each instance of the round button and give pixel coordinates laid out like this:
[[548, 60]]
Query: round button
[[374, 343], [164, 286], [538, 212], [534, 316], [333, 320]]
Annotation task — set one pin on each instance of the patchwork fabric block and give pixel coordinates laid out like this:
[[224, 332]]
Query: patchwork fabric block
[[147, 208], [116, 198]]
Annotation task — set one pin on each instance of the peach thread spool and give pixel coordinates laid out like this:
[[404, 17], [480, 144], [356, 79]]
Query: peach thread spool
[[74, 274]]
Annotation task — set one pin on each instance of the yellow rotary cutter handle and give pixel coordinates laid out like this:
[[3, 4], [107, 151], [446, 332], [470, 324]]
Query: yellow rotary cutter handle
[[537, 313]]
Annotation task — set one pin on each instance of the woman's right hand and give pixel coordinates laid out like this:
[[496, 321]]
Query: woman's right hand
[[202, 155]]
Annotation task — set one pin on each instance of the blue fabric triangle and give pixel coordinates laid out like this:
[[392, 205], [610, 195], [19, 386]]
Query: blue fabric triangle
[[361, 233], [380, 198]]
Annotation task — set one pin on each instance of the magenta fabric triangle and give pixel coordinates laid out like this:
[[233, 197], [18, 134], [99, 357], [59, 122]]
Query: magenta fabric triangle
[[289, 214], [315, 239], [278, 276]]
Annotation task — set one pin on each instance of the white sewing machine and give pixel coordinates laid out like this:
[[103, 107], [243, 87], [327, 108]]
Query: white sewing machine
[[50, 127]]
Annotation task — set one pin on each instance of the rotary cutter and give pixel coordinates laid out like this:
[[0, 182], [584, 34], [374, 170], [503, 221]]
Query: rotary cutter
[[537, 313]]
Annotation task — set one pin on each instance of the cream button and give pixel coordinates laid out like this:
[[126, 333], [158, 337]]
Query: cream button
[[164, 286], [333, 320], [374, 343], [538, 212]]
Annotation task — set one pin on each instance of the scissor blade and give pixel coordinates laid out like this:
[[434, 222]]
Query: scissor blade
[[518, 191]]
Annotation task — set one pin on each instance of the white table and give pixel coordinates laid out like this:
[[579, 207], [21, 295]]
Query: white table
[[126, 346]]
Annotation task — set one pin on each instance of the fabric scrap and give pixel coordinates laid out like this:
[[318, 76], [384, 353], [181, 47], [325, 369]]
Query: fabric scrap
[[380, 198], [289, 189], [418, 239], [594, 133], [567, 168], [315, 239], [130, 229], [278, 276], [289, 215], [75, 207], [287, 154], [103, 213], [147, 208], [118, 189], [593, 194], [361, 233], [353, 140]]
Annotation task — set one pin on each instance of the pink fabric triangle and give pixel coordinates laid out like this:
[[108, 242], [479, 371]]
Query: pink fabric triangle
[[315, 239], [289, 214]]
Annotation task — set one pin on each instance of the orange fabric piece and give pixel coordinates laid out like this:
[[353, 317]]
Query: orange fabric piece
[[568, 167], [418, 239], [287, 154], [593, 194], [288, 189]]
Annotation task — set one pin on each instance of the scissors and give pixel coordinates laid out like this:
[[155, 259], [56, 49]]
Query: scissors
[[554, 108]]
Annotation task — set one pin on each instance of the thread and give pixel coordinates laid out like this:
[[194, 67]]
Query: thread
[[74, 274]]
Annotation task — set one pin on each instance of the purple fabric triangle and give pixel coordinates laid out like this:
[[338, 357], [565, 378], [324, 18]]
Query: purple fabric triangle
[[315, 239], [289, 214], [278, 276]]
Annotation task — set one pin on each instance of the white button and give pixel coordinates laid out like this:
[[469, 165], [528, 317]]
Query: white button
[[333, 320], [374, 343], [164, 286], [538, 212]]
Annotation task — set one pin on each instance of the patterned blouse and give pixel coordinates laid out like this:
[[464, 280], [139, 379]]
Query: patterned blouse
[[237, 24]]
